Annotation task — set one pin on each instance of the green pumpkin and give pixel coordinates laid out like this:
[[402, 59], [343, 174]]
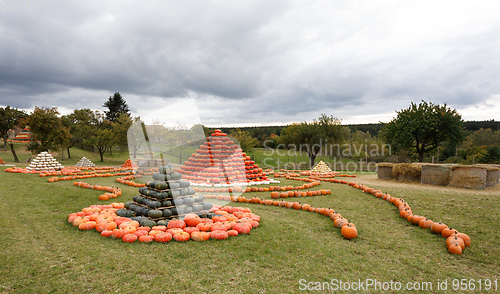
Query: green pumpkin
[[154, 204], [198, 198], [190, 191], [127, 204], [147, 223], [175, 193], [188, 201], [184, 184], [181, 210], [188, 209], [197, 207], [166, 203], [174, 210], [178, 201], [173, 185], [166, 194], [155, 213], [159, 177], [207, 205], [161, 185], [167, 212], [162, 222]]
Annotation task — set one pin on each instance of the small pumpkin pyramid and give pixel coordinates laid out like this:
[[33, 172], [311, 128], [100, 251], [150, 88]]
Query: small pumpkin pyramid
[[85, 162], [168, 196], [220, 161], [129, 164], [2, 162], [44, 161], [321, 167]]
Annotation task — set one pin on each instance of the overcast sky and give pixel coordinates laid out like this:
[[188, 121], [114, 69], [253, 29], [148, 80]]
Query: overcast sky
[[253, 62]]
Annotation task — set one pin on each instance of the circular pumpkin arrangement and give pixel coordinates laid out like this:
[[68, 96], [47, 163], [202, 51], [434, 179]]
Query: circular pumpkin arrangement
[[103, 219]]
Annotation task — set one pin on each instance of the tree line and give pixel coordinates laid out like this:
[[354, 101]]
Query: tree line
[[417, 132]]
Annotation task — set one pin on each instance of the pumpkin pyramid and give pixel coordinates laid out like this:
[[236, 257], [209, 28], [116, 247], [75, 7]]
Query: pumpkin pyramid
[[129, 164], [85, 162], [164, 198], [1, 161], [321, 167], [44, 161], [220, 161]]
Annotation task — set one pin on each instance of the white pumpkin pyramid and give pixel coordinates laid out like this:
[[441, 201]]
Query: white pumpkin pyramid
[[321, 167], [85, 162], [44, 161]]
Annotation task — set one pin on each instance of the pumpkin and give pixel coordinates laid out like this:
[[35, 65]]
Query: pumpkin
[[275, 194], [451, 240], [140, 233], [218, 227], [105, 226], [192, 220], [106, 233], [425, 223], [163, 237], [232, 233], [455, 249], [339, 222], [159, 228], [87, 226], [219, 235], [176, 223], [306, 206], [296, 205], [437, 228], [204, 227], [146, 239], [189, 230], [349, 231], [242, 228], [181, 237], [129, 238], [446, 232], [465, 238], [415, 219], [119, 233], [200, 236]]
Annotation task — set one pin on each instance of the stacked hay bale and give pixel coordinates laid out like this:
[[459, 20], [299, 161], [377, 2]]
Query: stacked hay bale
[[44, 161], [384, 170], [492, 174], [407, 172], [85, 162], [468, 176], [321, 167], [436, 174]]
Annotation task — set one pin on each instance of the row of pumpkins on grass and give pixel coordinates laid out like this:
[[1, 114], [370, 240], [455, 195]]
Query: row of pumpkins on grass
[[455, 241], [228, 221], [347, 229]]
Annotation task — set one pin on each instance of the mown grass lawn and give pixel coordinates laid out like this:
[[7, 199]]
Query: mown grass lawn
[[42, 253]]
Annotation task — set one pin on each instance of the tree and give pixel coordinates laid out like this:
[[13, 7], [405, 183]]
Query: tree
[[76, 122], [247, 142], [47, 130], [313, 136], [9, 118], [99, 133], [116, 105], [424, 127]]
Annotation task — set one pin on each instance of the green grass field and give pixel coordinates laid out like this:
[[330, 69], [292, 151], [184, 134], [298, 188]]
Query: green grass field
[[42, 253]]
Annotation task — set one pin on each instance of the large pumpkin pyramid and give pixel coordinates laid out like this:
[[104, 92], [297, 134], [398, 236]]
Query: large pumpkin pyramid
[[220, 161], [167, 196], [44, 161]]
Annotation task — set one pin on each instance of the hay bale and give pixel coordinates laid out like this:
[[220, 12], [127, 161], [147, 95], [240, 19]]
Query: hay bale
[[407, 172], [435, 174], [468, 176], [384, 170], [492, 174]]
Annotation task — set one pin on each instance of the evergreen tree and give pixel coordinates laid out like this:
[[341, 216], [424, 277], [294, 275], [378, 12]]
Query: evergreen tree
[[116, 105]]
